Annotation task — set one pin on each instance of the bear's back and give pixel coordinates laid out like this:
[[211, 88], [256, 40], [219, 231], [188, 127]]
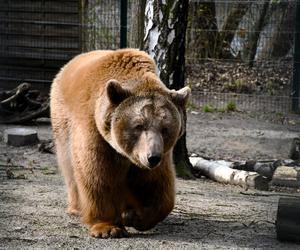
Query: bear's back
[[83, 79]]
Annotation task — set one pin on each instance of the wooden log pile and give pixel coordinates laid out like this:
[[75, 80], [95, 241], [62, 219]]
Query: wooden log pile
[[250, 174], [22, 105]]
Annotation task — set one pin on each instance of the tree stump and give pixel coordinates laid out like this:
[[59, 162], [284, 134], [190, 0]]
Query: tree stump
[[20, 137], [288, 219]]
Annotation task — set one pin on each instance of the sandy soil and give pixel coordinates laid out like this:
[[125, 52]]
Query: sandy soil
[[241, 136], [207, 215]]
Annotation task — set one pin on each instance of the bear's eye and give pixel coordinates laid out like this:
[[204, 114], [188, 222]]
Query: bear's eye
[[164, 131], [139, 127]]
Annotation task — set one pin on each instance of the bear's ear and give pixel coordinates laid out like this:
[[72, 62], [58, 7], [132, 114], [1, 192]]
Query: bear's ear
[[116, 94], [181, 96]]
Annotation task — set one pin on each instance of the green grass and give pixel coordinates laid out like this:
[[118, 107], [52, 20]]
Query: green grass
[[208, 108], [230, 106]]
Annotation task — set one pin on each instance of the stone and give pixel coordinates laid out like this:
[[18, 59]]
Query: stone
[[20, 137]]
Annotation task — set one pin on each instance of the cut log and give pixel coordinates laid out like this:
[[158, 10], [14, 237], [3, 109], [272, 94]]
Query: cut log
[[288, 219], [287, 176], [222, 172]]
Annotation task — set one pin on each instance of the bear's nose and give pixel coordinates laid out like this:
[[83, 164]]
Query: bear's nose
[[154, 160]]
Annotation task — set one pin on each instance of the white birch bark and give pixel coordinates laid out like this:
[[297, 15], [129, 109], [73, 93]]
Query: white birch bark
[[165, 36], [222, 172]]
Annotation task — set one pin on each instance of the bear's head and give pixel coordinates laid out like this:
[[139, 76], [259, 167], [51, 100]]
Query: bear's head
[[142, 126]]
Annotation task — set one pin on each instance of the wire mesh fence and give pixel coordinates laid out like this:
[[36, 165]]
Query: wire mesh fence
[[241, 51], [101, 22], [233, 48], [216, 101]]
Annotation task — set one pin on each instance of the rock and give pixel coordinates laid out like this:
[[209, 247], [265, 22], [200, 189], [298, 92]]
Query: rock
[[20, 136]]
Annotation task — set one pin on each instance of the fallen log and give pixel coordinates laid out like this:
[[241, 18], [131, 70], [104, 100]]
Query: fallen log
[[223, 173], [264, 168]]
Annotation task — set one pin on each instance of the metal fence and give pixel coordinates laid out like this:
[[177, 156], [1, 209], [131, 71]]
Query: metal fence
[[102, 24], [101, 20], [236, 51], [242, 52]]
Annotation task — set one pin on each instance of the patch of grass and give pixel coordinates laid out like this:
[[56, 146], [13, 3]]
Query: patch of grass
[[230, 106], [208, 108]]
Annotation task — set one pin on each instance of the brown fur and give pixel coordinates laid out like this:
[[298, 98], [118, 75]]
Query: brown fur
[[109, 112]]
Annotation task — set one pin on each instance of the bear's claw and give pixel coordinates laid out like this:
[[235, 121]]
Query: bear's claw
[[105, 230]]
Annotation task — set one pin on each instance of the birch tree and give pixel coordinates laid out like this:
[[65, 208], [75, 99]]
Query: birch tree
[[165, 28]]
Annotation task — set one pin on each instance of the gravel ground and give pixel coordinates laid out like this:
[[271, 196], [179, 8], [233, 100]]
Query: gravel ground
[[207, 215]]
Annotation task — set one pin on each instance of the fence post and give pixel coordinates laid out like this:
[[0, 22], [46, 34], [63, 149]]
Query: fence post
[[296, 67], [123, 24]]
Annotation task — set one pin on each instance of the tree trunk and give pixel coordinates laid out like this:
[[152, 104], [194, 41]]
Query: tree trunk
[[165, 28], [279, 42], [254, 34], [202, 31], [229, 27]]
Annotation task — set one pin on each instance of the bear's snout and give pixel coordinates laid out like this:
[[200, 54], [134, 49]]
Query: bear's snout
[[154, 160], [149, 149]]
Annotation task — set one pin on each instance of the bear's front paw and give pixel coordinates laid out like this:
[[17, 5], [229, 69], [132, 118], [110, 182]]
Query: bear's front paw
[[141, 222], [130, 218], [107, 230]]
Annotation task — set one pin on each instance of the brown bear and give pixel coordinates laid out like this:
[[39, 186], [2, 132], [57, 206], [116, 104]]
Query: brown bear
[[115, 125]]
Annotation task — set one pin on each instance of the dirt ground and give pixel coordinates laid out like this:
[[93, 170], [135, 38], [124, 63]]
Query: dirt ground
[[207, 215]]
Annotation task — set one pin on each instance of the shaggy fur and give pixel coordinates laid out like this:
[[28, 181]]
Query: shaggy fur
[[110, 113]]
